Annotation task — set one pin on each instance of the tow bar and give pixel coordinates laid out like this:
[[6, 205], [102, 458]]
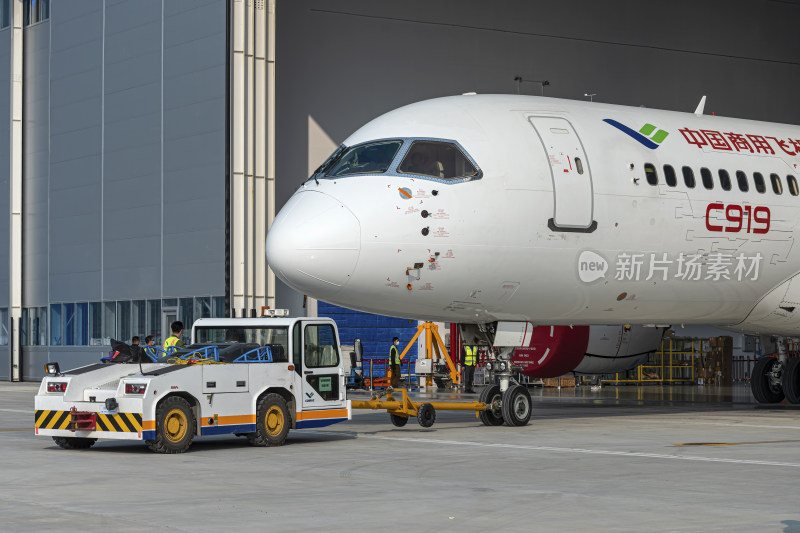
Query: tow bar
[[403, 408]]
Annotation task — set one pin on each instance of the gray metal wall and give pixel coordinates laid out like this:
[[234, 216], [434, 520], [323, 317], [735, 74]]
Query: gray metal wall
[[5, 163], [344, 62], [5, 167], [124, 156], [137, 150], [123, 151]]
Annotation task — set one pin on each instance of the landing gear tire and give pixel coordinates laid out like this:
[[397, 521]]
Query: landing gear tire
[[74, 443], [175, 426], [516, 406], [426, 415], [764, 383], [398, 420], [791, 380], [493, 415], [272, 422]]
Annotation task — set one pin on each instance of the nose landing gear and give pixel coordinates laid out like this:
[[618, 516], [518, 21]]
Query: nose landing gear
[[509, 401]]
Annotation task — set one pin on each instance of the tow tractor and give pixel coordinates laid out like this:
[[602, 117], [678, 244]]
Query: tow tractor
[[253, 377]]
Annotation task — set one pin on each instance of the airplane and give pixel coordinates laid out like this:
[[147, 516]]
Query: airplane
[[509, 214]]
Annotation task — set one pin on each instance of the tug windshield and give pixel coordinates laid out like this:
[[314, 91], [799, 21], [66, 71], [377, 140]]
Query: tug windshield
[[247, 338], [370, 158]]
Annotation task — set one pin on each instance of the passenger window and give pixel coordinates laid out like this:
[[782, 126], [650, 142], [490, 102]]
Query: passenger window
[[708, 180], [650, 174], [438, 160], [688, 177], [792, 184], [724, 179], [372, 158], [758, 179], [741, 177], [669, 176], [579, 165], [777, 186]]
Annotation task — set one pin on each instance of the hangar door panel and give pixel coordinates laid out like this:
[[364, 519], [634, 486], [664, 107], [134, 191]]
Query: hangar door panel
[[569, 168]]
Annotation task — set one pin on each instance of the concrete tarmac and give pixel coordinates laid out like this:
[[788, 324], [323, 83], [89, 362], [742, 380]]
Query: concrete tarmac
[[622, 459]]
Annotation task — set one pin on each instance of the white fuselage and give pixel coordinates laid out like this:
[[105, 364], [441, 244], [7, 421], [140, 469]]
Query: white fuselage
[[533, 239]]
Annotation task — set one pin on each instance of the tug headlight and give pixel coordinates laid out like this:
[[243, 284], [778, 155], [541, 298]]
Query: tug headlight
[[52, 369]]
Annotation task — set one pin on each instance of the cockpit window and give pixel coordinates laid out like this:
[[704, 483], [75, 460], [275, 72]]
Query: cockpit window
[[371, 158], [441, 160]]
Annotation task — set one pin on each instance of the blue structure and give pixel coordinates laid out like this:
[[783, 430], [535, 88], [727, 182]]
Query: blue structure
[[375, 332]]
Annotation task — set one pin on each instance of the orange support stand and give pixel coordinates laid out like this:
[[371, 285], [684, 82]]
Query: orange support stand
[[433, 343]]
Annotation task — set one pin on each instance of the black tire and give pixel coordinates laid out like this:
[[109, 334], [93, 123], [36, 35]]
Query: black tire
[[765, 389], [398, 420], [426, 415], [175, 426], [74, 443], [791, 380], [517, 406], [273, 422], [491, 416]]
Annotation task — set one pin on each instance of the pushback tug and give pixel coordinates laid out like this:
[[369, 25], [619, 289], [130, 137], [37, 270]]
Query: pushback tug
[[252, 377]]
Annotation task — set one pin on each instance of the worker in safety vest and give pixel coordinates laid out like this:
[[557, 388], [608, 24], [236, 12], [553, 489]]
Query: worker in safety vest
[[174, 339], [394, 363], [470, 359]]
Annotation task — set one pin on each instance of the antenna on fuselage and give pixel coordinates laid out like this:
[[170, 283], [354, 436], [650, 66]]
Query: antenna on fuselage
[[700, 106], [520, 81]]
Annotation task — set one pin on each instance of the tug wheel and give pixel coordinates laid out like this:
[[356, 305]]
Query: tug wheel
[[74, 443], [175, 426], [272, 422]]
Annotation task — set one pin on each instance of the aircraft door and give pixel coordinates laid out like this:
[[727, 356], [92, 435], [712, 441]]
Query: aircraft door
[[569, 169], [323, 385]]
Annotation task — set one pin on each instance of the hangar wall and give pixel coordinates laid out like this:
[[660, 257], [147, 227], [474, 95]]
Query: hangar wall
[[123, 171]]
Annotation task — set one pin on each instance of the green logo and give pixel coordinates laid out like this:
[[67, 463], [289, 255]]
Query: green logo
[[657, 137], [645, 135]]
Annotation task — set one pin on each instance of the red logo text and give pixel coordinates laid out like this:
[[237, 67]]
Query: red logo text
[[747, 218]]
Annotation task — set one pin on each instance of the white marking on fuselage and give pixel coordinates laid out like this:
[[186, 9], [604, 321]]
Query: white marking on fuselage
[[547, 351]]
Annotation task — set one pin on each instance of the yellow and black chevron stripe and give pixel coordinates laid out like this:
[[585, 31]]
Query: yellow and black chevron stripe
[[129, 422], [52, 420]]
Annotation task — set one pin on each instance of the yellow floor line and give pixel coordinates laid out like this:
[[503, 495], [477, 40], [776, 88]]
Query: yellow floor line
[[689, 444]]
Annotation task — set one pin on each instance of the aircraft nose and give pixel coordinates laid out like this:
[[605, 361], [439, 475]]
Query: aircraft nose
[[314, 243]]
